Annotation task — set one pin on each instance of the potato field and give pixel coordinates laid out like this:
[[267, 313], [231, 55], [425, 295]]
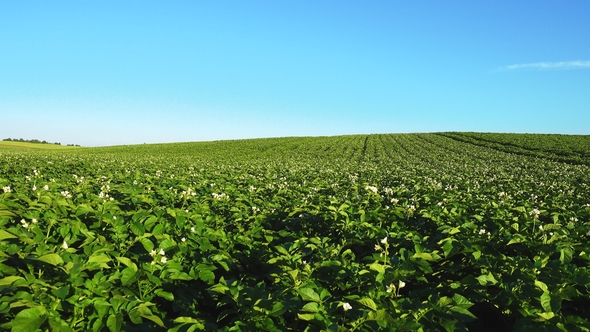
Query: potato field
[[399, 232]]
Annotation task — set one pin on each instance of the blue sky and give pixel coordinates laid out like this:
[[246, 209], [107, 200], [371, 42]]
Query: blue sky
[[131, 72]]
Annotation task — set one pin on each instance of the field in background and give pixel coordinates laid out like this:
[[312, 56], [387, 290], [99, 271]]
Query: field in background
[[448, 231], [26, 145]]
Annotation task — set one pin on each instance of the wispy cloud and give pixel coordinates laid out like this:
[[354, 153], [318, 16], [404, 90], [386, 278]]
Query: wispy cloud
[[549, 65]]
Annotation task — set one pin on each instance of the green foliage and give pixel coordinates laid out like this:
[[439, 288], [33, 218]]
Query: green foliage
[[416, 232]]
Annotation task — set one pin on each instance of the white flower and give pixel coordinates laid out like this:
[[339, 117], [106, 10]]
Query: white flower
[[34, 221], [45, 187], [384, 240], [402, 284], [390, 288], [114, 217], [66, 194], [34, 187], [24, 223], [6, 189], [64, 245], [164, 259], [372, 188], [162, 252], [193, 229], [183, 239], [346, 306], [377, 247], [220, 196], [153, 252]]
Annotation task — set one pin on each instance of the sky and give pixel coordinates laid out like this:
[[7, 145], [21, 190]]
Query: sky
[[99, 73]]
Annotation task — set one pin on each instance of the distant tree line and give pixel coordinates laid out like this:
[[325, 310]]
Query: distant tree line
[[35, 141]]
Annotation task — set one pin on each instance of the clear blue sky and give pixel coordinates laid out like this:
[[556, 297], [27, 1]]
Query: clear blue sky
[[128, 72]]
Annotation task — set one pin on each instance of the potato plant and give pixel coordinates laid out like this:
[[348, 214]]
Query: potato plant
[[400, 232]]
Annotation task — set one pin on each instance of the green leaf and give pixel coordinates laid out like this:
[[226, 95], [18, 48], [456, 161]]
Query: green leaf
[[380, 315], [135, 316], [306, 317], [62, 292], [219, 288], [28, 320], [546, 315], [308, 294], [311, 307], [163, 294], [102, 259], [127, 262], [369, 303], [158, 230], [462, 301], [447, 246], [278, 309], [476, 254], [137, 228], [129, 275], [154, 319], [180, 276], [186, 320], [207, 276], [282, 250], [58, 325], [566, 255], [4, 235], [444, 301], [324, 294], [546, 301], [423, 255], [517, 238], [463, 314], [148, 245], [487, 279], [167, 244], [9, 280], [377, 267], [53, 259], [541, 285]]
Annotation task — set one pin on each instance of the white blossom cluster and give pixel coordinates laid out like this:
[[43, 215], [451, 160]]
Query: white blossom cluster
[[220, 196]]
